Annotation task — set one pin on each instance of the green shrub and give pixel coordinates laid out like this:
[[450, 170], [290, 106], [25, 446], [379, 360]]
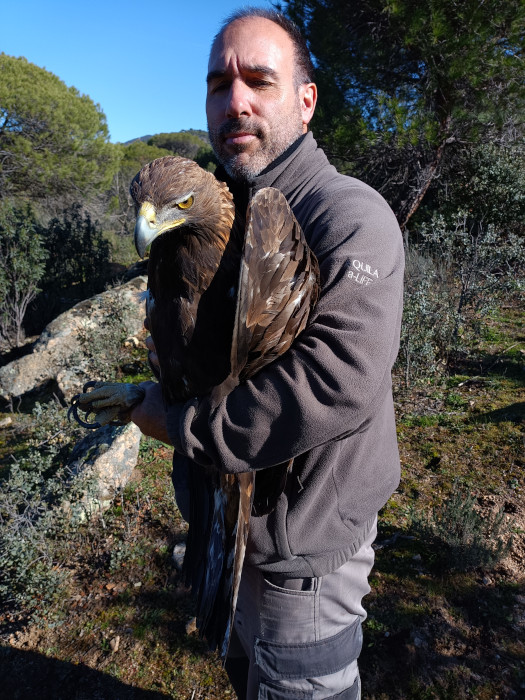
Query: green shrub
[[455, 274], [78, 251], [429, 317], [41, 504], [102, 344], [460, 537]]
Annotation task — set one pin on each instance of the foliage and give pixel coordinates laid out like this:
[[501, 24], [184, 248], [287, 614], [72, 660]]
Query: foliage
[[481, 258], [404, 83], [40, 502], [206, 158], [460, 537], [188, 144], [181, 143], [53, 140], [22, 264], [78, 251], [429, 317], [487, 181], [455, 274], [103, 345]]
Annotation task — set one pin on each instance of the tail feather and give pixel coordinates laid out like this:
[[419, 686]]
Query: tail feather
[[214, 566], [224, 558], [201, 495]]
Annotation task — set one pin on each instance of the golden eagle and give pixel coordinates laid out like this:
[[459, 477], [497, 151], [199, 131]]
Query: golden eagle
[[228, 291]]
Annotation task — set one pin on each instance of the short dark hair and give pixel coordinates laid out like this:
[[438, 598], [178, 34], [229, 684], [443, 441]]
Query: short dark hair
[[304, 69]]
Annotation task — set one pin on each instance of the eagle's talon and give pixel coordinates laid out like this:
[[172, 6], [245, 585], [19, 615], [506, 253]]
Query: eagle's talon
[[73, 411], [89, 385], [110, 403]]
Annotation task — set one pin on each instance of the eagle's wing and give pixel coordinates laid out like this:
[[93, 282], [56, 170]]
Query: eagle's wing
[[278, 287], [278, 284]]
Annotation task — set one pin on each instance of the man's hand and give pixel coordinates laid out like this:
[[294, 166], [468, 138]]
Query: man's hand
[[150, 414], [109, 402]]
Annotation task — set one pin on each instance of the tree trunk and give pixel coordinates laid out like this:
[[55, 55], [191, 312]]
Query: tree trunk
[[428, 177]]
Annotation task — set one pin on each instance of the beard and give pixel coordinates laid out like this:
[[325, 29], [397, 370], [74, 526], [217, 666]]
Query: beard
[[244, 162]]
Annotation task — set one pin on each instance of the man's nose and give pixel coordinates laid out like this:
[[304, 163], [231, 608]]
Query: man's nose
[[239, 103]]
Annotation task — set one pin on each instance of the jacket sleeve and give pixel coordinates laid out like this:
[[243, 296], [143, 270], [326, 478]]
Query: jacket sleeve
[[337, 373]]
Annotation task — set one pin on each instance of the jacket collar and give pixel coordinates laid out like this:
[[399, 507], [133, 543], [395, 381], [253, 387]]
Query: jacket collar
[[283, 173]]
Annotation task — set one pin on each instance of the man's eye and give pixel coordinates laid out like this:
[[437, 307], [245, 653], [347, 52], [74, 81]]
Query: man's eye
[[186, 204], [259, 83], [219, 87]]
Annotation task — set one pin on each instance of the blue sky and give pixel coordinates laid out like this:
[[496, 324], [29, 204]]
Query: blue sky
[[143, 62]]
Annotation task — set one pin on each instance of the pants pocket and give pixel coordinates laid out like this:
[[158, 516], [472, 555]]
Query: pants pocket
[[309, 659], [268, 691]]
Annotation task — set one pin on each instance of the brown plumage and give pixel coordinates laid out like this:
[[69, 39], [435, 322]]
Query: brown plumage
[[228, 291]]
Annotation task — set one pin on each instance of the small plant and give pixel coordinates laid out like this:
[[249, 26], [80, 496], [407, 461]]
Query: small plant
[[103, 344], [455, 400], [41, 505], [460, 537], [428, 319], [455, 275]]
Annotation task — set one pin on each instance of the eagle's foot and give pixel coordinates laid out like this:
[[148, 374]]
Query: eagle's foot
[[109, 403]]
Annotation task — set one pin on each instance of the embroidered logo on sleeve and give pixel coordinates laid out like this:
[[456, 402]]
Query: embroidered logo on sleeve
[[361, 273]]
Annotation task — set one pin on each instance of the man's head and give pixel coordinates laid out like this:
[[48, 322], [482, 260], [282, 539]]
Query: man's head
[[260, 95]]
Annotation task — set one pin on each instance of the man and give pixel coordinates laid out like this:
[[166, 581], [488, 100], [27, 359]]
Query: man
[[327, 402]]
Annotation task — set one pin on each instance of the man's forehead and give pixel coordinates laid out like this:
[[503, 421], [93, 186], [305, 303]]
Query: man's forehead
[[254, 44]]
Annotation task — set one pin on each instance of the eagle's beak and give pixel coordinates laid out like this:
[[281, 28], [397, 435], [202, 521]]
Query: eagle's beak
[[144, 234], [147, 229]]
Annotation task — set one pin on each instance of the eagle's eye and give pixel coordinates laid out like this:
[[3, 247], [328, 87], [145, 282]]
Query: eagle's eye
[[186, 204]]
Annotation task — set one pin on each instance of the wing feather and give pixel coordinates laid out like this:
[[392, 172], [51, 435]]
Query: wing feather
[[278, 284]]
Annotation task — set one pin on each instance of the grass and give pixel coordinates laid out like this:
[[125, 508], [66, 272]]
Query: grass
[[432, 632]]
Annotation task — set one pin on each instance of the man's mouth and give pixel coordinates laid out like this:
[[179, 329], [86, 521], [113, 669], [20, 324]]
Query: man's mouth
[[239, 134], [239, 138]]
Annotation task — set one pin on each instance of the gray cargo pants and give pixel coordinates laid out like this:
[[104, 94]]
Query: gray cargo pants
[[300, 638]]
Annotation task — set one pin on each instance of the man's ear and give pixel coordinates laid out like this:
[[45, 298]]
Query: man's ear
[[308, 100]]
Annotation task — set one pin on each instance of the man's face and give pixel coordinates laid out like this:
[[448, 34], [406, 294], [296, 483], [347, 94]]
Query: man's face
[[254, 109]]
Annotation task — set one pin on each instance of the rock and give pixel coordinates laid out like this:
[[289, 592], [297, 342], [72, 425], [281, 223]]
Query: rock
[[4, 422], [191, 626], [108, 457], [57, 355], [178, 555], [114, 644], [419, 639]]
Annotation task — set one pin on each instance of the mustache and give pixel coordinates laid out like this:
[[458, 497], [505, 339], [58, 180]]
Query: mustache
[[240, 126]]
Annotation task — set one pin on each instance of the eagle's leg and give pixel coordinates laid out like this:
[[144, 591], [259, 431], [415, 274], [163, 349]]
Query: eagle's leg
[[109, 402]]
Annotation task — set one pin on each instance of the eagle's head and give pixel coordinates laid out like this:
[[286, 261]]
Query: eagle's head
[[171, 192]]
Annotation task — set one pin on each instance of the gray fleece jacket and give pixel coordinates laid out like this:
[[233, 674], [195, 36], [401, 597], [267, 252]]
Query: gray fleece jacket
[[328, 401]]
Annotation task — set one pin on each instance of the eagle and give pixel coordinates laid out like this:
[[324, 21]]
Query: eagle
[[228, 292]]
